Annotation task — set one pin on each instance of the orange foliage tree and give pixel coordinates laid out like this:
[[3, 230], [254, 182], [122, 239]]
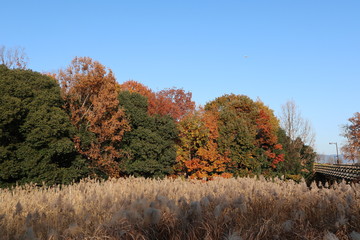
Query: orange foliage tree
[[173, 102], [248, 132], [89, 91], [352, 132], [197, 155], [136, 87]]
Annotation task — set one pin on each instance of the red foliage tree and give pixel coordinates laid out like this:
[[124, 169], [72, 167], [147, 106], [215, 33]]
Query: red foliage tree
[[173, 102], [267, 126]]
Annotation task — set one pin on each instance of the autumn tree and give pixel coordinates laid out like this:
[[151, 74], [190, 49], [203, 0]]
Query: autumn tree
[[198, 155], [136, 87], [89, 91], [35, 132], [266, 137], [351, 150], [173, 102], [247, 130], [149, 148], [13, 57], [237, 131]]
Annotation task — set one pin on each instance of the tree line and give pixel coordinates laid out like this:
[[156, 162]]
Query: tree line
[[351, 132], [79, 122]]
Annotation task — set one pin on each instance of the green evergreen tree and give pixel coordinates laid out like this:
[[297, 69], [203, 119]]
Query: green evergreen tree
[[150, 145], [299, 157], [35, 132]]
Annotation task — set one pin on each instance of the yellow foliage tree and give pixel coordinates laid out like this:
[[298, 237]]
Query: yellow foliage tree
[[197, 155]]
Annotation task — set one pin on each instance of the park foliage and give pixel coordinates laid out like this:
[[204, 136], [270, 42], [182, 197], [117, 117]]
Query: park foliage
[[352, 133], [61, 127]]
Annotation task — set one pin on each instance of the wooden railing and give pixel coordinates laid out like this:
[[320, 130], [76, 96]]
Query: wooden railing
[[347, 172]]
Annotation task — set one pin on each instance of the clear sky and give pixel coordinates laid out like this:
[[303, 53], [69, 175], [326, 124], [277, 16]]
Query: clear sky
[[304, 50]]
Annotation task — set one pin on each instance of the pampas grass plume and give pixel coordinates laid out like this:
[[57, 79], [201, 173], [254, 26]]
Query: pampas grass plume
[[355, 235], [29, 234], [152, 216], [139, 208], [233, 236], [330, 236], [18, 208], [288, 226]]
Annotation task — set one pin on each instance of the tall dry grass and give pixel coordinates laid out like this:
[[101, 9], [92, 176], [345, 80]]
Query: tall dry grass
[[136, 208]]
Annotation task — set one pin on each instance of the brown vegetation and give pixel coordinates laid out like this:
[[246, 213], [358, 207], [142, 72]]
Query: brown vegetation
[[137, 208], [89, 91], [352, 132]]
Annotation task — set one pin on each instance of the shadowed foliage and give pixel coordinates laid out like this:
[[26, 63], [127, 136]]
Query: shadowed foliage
[[35, 132], [299, 157], [150, 145]]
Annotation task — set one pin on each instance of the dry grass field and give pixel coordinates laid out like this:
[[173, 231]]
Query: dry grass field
[[137, 208]]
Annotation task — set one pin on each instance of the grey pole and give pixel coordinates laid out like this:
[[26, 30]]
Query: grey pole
[[337, 152]]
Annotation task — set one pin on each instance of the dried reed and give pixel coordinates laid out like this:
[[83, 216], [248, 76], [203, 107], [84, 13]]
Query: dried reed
[[138, 208]]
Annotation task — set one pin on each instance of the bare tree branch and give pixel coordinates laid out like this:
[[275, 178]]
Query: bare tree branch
[[295, 126], [13, 57]]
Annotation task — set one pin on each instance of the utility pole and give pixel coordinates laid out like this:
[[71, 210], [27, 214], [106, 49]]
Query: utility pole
[[337, 152]]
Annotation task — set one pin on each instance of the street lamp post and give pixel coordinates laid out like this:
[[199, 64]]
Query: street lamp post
[[337, 152]]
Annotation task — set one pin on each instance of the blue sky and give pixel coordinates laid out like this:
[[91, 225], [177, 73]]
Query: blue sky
[[307, 51]]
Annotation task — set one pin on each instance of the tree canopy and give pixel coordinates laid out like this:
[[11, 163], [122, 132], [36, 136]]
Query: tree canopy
[[351, 149], [198, 155], [80, 122], [299, 157], [35, 133], [247, 131], [89, 92], [173, 102], [149, 148]]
